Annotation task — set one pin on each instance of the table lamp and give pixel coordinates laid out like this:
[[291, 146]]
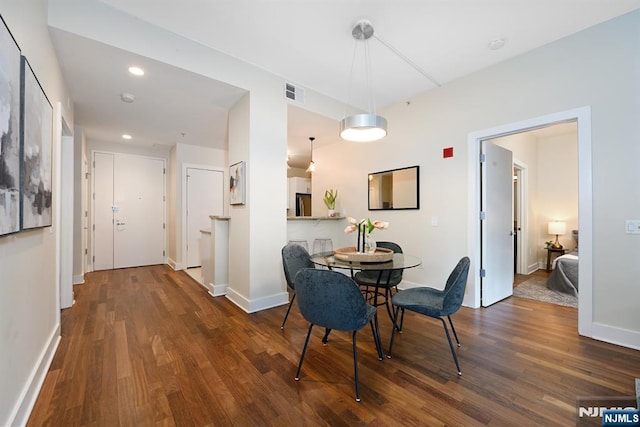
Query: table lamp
[[557, 228]]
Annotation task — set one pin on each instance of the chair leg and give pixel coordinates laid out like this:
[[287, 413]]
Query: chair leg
[[453, 350], [355, 366], [288, 310], [394, 329], [375, 330], [454, 331], [304, 351], [325, 338]]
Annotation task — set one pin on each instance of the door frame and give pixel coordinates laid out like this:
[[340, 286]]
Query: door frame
[[63, 217], [582, 116], [182, 264], [522, 203]]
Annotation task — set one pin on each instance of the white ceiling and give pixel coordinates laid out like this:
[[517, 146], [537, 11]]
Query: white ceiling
[[309, 43]]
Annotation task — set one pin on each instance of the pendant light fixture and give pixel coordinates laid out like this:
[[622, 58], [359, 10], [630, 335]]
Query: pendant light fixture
[[368, 126], [312, 166]]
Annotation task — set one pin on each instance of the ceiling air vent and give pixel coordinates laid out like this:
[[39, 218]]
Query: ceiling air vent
[[294, 93]]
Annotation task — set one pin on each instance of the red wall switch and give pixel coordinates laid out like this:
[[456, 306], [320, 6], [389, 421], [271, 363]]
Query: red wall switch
[[447, 152]]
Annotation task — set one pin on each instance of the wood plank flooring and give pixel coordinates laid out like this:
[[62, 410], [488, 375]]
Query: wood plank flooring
[[148, 346]]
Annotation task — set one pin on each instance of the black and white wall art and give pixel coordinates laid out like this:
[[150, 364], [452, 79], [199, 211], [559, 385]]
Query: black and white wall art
[[9, 133], [37, 123]]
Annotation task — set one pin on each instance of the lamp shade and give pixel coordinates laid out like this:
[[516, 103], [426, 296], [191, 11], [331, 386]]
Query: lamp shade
[[363, 128], [557, 227]]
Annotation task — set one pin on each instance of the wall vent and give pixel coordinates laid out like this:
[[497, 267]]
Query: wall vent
[[294, 93]]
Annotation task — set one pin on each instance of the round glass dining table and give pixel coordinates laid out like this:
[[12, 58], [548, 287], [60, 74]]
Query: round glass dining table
[[399, 262]]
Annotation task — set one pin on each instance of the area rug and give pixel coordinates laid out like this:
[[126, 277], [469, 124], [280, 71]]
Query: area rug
[[536, 288]]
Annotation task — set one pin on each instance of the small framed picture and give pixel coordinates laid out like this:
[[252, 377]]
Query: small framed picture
[[237, 183]]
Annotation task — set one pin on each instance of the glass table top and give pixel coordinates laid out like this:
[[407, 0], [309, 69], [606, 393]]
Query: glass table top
[[399, 262]]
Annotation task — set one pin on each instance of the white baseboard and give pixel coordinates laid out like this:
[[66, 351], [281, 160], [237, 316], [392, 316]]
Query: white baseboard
[[217, 290], [175, 265], [78, 279], [613, 335], [22, 410], [253, 306]]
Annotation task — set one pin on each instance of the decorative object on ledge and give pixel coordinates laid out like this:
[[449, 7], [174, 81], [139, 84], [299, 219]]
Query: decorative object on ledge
[[329, 199], [350, 253], [237, 186], [365, 227]]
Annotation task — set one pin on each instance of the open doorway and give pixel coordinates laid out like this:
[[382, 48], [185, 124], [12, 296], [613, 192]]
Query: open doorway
[[582, 117]]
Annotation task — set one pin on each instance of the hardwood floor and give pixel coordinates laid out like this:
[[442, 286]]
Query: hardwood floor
[[519, 278], [148, 346]]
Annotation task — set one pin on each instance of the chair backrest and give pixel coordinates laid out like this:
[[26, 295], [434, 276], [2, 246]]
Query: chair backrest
[[395, 275], [455, 287], [330, 299], [390, 245], [294, 259]]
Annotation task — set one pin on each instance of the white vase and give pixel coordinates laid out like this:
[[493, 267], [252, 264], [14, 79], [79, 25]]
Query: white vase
[[331, 213]]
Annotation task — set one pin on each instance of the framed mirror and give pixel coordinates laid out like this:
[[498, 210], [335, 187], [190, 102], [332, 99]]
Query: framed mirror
[[395, 189]]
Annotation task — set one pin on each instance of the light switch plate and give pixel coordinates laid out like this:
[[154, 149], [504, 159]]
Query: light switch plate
[[632, 226]]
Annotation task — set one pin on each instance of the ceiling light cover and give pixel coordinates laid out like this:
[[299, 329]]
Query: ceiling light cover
[[363, 128], [126, 136], [136, 71], [312, 167], [369, 126]]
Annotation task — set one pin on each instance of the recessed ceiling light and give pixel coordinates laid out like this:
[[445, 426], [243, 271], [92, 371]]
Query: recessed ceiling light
[[496, 44], [136, 71], [126, 136]]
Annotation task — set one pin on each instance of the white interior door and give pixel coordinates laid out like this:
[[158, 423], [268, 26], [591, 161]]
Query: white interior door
[[138, 237], [497, 226], [129, 211], [205, 194]]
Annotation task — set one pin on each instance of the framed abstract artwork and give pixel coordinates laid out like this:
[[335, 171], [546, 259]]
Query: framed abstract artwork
[[237, 183], [37, 127], [9, 132]]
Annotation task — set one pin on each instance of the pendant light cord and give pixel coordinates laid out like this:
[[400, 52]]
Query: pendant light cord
[[407, 60]]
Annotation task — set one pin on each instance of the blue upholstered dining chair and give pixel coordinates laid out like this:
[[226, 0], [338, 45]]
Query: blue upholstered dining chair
[[294, 258], [332, 300], [434, 303], [379, 283]]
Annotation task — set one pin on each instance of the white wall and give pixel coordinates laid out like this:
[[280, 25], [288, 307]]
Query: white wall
[[598, 68], [558, 186], [29, 307]]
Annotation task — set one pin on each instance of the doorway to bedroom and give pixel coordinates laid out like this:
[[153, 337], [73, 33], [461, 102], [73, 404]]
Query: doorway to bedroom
[[545, 190], [478, 236]]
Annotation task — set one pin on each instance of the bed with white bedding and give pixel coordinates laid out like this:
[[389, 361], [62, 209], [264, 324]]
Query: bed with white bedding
[[564, 277]]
